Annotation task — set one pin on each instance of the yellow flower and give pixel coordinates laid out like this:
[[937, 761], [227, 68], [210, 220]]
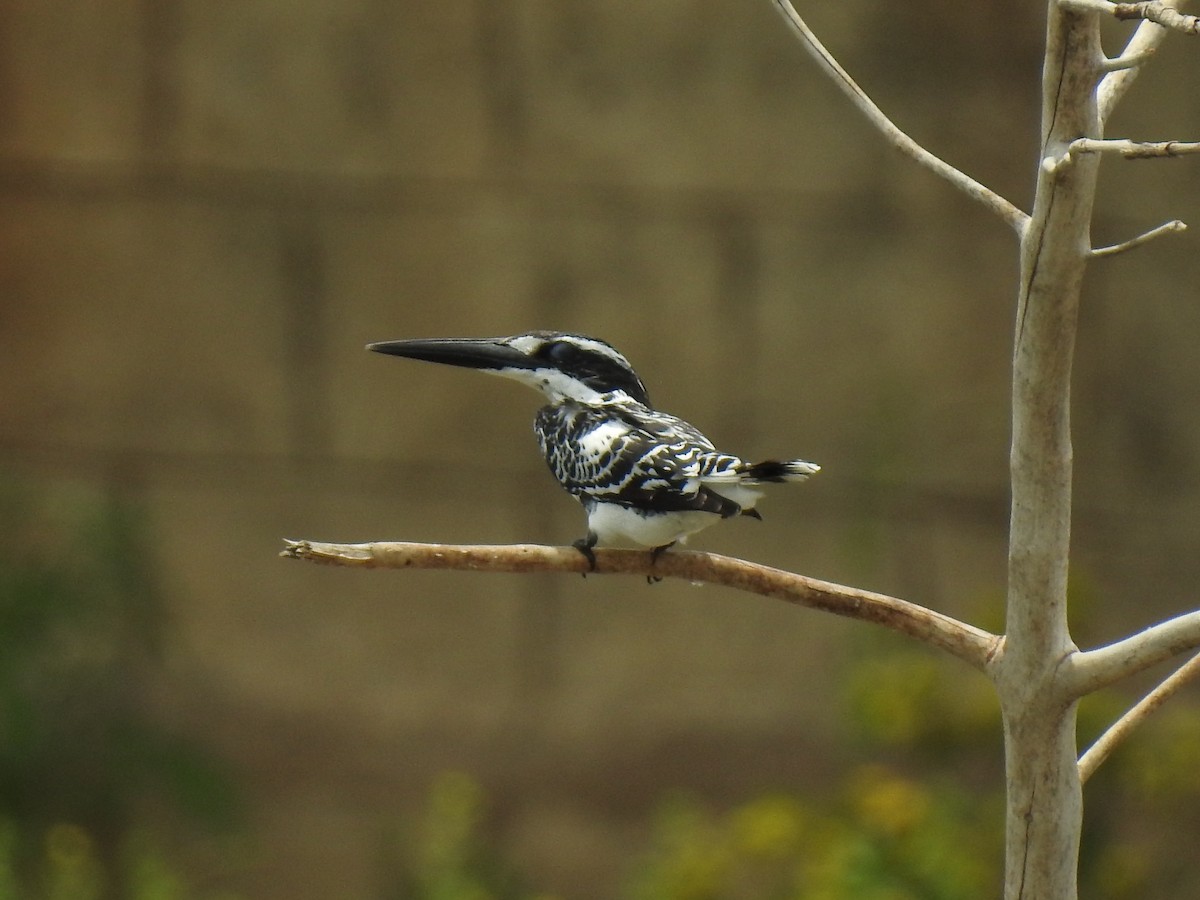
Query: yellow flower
[[770, 827], [886, 802]]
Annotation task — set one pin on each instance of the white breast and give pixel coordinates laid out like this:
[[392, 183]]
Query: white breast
[[620, 526]]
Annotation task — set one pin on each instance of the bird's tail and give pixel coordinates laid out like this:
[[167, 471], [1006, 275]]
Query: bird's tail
[[773, 470]]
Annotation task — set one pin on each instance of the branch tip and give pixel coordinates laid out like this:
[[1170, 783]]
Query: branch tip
[[1015, 217], [1128, 60], [1173, 227]]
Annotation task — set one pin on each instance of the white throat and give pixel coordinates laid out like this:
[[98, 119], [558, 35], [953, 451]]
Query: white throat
[[558, 387]]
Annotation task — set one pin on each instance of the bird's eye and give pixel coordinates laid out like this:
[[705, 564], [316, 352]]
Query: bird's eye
[[557, 351]]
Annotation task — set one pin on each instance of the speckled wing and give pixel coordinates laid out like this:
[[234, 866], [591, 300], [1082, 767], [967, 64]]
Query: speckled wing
[[633, 456]]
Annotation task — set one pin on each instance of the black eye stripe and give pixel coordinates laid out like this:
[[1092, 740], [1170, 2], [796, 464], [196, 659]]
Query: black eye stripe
[[592, 367]]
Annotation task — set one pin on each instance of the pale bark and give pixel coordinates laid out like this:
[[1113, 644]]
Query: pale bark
[[1088, 671], [1045, 804], [1123, 727]]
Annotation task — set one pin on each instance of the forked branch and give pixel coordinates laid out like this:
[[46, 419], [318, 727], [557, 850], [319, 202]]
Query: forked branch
[[1156, 11], [1124, 726], [1159, 13], [897, 138], [972, 645]]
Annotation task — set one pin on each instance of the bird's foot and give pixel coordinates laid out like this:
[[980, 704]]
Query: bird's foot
[[584, 546], [752, 513]]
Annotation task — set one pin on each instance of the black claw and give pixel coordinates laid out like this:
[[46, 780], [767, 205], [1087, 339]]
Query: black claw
[[752, 513], [659, 551], [584, 546]]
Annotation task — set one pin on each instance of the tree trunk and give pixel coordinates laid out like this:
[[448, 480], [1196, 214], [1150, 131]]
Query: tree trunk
[[1044, 797]]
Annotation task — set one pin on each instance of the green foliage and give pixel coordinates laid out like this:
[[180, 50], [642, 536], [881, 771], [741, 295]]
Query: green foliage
[[925, 824], [80, 758], [447, 856], [1143, 816], [884, 837], [903, 830], [70, 865]]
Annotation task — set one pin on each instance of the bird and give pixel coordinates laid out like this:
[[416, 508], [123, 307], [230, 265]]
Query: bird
[[646, 479]]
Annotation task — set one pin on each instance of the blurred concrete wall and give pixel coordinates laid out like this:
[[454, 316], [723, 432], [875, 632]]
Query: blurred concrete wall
[[208, 207]]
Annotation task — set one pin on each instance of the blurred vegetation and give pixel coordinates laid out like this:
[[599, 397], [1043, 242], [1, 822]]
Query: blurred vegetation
[[446, 854], [87, 777], [918, 814]]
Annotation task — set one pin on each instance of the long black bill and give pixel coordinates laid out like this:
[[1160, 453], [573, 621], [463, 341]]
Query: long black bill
[[471, 353]]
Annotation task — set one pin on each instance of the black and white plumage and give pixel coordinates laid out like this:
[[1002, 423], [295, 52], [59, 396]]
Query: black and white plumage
[[645, 478]]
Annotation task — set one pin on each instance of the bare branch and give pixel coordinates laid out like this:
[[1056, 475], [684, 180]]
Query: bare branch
[[1123, 727], [1145, 40], [1173, 227], [1128, 60], [1124, 148], [897, 138], [972, 645], [1084, 672], [1156, 11], [1159, 13], [1134, 149]]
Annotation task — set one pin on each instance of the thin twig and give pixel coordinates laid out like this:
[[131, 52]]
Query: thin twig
[[1123, 727], [1124, 148], [1084, 672], [1173, 227], [1128, 60], [1134, 149], [1159, 13], [972, 645], [897, 138], [1156, 11]]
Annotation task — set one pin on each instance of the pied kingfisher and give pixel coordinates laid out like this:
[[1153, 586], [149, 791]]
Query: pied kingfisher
[[645, 478]]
